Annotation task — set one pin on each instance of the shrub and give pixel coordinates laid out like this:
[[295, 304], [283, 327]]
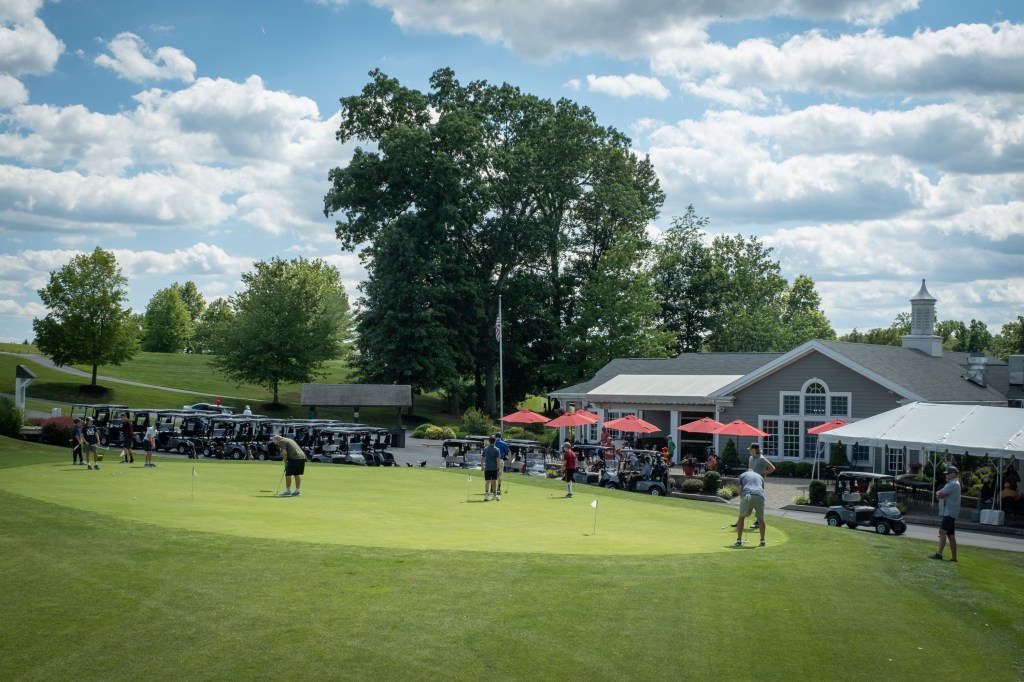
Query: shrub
[[803, 470], [711, 481], [11, 419], [553, 473], [817, 491], [728, 491], [476, 423], [785, 469], [692, 486], [56, 431], [433, 432], [837, 456], [802, 500], [729, 455]]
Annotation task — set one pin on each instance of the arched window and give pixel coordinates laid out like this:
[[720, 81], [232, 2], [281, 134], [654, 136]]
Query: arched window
[[812, 405]]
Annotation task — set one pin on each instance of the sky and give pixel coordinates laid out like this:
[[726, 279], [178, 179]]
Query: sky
[[871, 144]]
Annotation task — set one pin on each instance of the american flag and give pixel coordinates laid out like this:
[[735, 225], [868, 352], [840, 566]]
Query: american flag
[[497, 328]]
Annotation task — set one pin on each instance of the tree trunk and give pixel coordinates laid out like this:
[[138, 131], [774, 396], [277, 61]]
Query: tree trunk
[[94, 375], [275, 392]]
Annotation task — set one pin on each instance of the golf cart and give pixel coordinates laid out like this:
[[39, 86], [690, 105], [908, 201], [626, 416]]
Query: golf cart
[[884, 517], [618, 475]]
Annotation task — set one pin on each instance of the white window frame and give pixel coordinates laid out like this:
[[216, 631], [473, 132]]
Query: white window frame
[[805, 419]]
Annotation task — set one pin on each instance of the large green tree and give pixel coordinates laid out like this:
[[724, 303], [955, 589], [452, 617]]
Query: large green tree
[[168, 327], [291, 318], [682, 280], [88, 322], [1010, 339], [471, 192], [208, 327]]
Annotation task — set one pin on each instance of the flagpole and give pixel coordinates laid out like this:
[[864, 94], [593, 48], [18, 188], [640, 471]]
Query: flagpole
[[501, 364]]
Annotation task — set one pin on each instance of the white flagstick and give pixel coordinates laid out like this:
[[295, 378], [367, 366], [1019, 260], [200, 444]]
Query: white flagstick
[[193, 483], [469, 482], [594, 505]]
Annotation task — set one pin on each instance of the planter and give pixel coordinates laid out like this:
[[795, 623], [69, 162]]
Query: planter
[[689, 470]]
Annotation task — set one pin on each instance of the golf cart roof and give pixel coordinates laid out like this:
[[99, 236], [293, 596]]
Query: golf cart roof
[[866, 475]]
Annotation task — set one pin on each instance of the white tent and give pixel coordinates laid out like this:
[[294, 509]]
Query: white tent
[[962, 429]]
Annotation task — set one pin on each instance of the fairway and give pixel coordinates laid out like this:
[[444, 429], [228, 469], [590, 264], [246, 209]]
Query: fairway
[[393, 507]]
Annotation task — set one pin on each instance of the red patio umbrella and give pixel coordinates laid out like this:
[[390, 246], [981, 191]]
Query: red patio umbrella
[[827, 426], [739, 427], [631, 424], [702, 425], [524, 417], [577, 418]]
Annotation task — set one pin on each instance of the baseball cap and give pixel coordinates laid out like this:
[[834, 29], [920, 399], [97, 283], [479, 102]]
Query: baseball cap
[[952, 470], [754, 446]]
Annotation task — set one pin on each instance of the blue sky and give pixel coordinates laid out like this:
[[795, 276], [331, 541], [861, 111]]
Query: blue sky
[[870, 143]]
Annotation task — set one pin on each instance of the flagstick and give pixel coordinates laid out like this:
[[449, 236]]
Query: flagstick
[[469, 482], [501, 363], [193, 483], [594, 505]]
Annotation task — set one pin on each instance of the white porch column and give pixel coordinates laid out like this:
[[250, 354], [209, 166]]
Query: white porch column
[[673, 434]]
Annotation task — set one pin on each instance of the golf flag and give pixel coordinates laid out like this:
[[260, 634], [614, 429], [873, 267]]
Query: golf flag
[[193, 472], [594, 504]]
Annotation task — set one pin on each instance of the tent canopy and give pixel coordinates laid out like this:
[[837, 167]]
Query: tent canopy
[[971, 429]]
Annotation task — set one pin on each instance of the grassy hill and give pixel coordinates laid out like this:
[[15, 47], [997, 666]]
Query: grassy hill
[[194, 374]]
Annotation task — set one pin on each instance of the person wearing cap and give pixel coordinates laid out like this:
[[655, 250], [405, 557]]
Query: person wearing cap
[[949, 510], [294, 464], [91, 438], [751, 501], [247, 412], [569, 462]]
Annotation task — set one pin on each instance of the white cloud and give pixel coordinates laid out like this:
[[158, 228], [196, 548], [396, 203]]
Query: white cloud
[[631, 85], [132, 59], [968, 58], [539, 29], [12, 92], [27, 46]]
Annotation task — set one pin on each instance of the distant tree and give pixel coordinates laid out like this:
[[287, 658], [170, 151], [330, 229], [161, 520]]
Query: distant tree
[[87, 323], [681, 277], [1010, 339], [168, 327], [216, 316], [750, 296], [964, 338], [292, 317], [802, 316], [890, 336], [194, 304]]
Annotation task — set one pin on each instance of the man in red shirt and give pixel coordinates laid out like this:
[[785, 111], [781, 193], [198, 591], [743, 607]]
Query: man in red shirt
[[568, 466]]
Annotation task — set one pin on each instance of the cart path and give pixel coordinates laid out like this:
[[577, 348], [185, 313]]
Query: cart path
[[47, 362]]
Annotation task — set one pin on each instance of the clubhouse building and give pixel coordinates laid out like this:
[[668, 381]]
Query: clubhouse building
[[785, 394]]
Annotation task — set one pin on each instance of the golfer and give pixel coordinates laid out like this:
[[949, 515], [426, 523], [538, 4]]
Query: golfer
[[79, 443], [149, 443], [127, 439], [751, 500], [91, 436], [568, 467], [757, 463], [504, 450], [294, 464], [491, 461], [949, 510]]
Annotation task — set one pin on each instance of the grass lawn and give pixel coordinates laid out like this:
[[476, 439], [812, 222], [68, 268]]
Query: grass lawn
[[125, 573]]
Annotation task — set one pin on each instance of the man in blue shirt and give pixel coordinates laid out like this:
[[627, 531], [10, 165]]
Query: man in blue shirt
[[491, 462], [505, 451], [949, 510]]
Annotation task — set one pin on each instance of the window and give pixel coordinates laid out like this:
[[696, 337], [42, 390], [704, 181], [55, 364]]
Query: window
[[812, 405], [790, 438], [860, 453], [771, 441], [894, 460]]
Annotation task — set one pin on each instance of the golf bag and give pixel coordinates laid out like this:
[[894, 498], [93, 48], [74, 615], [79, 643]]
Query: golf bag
[[190, 449]]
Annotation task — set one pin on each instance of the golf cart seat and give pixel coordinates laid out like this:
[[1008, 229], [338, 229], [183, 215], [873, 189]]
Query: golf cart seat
[[851, 498]]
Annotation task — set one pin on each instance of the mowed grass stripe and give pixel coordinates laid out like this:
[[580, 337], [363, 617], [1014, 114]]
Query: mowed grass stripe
[[406, 508]]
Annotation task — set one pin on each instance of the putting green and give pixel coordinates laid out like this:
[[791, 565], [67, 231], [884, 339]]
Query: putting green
[[409, 508]]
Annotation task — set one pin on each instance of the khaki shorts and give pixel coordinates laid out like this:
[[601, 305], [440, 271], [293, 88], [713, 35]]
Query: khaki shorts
[[752, 502]]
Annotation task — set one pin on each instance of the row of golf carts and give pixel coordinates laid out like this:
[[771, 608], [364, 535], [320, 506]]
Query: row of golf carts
[[205, 433]]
